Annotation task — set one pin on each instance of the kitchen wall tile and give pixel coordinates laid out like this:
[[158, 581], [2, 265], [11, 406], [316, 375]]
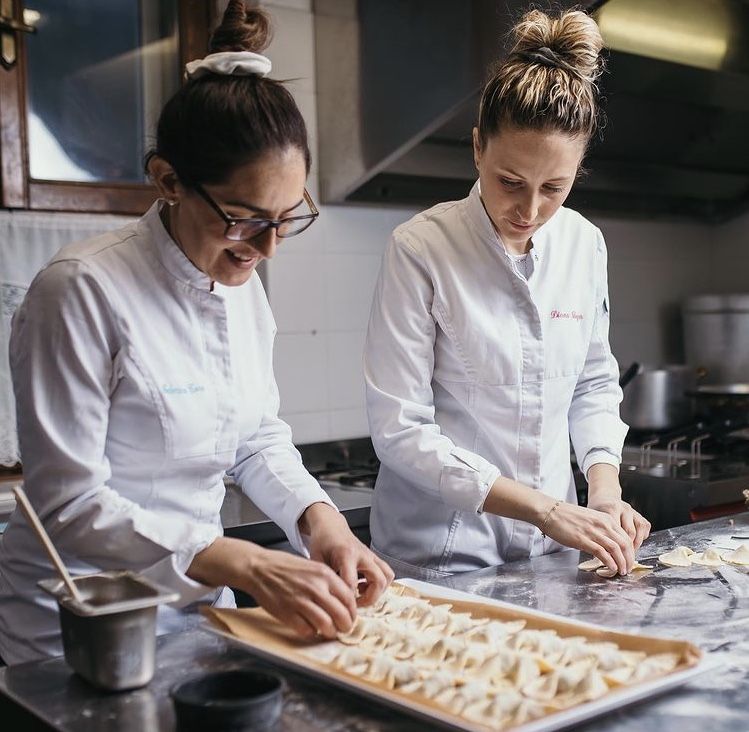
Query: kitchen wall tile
[[654, 240], [684, 277], [309, 242], [292, 50], [300, 365], [345, 373], [348, 423], [307, 106], [730, 274], [304, 5], [729, 271], [361, 229], [296, 290], [308, 427], [635, 288], [350, 285], [732, 238], [637, 341], [660, 240], [640, 287]]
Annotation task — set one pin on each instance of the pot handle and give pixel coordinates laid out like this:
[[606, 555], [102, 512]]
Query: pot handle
[[629, 374]]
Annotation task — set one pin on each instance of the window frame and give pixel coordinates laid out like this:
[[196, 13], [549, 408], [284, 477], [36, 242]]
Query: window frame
[[19, 190]]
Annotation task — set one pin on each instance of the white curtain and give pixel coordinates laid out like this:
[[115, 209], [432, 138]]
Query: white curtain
[[27, 242]]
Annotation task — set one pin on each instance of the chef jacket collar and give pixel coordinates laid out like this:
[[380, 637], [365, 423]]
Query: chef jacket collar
[[168, 252], [486, 229]]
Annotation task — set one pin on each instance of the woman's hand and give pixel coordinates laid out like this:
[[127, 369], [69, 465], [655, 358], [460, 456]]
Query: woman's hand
[[306, 595], [605, 495], [592, 531], [587, 529], [331, 542], [634, 524]]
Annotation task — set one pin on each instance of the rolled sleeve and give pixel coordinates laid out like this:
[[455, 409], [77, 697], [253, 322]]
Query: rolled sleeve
[[170, 573], [594, 457], [466, 483]]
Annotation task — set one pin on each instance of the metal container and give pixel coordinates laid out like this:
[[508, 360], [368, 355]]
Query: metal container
[[716, 337], [656, 399], [110, 638]]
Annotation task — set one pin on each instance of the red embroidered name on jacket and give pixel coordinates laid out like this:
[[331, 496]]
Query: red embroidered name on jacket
[[556, 314]]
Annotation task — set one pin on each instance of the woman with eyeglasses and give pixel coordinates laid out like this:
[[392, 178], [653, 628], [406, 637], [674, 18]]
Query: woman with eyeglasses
[[488, 339], [142, 367]]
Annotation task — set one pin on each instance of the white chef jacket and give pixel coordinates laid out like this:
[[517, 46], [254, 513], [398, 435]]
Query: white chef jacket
[[138, 388], [473, 371]]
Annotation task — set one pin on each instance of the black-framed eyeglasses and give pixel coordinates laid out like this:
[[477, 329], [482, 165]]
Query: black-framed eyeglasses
[[246, 229]]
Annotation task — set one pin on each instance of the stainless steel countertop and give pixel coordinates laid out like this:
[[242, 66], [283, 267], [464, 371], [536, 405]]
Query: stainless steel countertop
[[709, 608]]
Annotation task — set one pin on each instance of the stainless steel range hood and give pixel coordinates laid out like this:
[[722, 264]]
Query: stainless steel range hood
[[398, 84]]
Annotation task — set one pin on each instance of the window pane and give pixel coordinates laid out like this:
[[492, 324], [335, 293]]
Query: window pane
[[99, 72]]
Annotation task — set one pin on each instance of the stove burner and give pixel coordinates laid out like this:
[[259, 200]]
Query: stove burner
[[362, 478], [701, 450], [357, 476]]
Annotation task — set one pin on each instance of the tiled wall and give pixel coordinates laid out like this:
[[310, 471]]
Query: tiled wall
[[730, 257], [653, 266], [320, 286]]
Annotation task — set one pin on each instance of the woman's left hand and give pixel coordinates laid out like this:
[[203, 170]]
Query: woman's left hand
[[604, 494], [331, 542]]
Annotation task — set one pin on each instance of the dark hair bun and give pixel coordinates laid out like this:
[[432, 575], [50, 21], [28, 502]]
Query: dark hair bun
[[242, 29]]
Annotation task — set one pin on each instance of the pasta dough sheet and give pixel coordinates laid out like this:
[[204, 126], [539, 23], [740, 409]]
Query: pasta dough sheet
[[470, 664]]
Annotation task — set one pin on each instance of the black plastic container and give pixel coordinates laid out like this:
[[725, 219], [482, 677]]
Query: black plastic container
[[228, 701]]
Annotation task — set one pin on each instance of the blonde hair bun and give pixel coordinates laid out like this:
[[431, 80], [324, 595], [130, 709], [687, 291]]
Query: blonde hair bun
[[548, 81], [573, 37]]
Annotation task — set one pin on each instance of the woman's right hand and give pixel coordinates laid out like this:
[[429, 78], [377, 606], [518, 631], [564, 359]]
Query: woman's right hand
[[593, 532], [304, 594]]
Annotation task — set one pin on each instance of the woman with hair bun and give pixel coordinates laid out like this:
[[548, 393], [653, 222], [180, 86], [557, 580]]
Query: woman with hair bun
[[488, 339], [142, 368]]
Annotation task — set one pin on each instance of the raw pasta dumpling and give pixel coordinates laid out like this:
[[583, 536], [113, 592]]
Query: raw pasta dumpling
[[708, 558], [679, 557], [431, 685], [495, 632], [739, 555], [495, 672]]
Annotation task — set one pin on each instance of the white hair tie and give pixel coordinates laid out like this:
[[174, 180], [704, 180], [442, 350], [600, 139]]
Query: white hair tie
[[229, 63]]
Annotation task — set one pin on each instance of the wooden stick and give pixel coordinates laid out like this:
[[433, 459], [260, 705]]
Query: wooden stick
[[43, 536]]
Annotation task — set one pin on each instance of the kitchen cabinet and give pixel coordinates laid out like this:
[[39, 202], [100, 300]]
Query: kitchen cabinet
[[81, 87]]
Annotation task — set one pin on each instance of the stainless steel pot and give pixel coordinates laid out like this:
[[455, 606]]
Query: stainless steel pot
[[716, 337], [656, 399]]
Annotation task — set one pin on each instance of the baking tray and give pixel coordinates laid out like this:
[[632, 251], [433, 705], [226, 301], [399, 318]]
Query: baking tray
[[268, 639]]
